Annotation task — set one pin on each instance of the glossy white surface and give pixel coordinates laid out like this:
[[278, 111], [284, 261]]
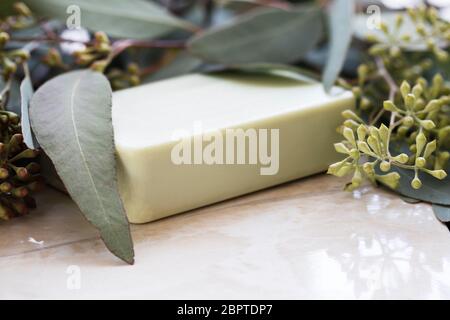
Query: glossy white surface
[[306, 239]]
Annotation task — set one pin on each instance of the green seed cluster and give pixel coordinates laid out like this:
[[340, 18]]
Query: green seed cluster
[[121, 79], [96, 53], [99, 55], [430, 32], [402, 117]]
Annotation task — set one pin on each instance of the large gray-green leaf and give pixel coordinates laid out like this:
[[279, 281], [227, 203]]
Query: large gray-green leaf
[[442, 213], [433, 190], [71, 117], [26, 93], [183, 64], [340, 26], [119, 18], [280, 70], [264, 35]]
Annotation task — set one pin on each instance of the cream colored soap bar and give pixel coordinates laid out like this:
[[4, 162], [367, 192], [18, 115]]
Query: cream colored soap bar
[[241, 134]]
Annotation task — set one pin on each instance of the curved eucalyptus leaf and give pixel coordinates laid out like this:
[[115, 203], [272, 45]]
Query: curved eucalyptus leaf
[[442, 213], [264, 35], [184, 63], [71, 117], [126, 19], [14, 96], [280, 70], [26, 93], [410, 200], [432, 190], [340, 28]]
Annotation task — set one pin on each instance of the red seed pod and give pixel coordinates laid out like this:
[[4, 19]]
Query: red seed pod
[[22, 173], [20, 192]]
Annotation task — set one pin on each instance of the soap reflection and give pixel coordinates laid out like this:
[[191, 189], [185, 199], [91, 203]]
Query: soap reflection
[[390, 260], [368, 244]]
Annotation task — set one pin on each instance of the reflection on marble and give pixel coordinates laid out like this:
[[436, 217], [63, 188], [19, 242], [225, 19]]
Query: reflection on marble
[[306, 239]]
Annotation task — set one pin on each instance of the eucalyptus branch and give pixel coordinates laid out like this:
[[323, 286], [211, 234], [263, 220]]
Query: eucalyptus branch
[[419, 120], [393, 88]]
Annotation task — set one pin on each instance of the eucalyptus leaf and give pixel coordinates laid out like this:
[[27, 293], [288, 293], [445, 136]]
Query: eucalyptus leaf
[[49, 173], [280, 70], [432, 190], [26, 93], [442, 213], [126, 19], [410, 200], [263, 35], [14, 95], [183, 64], [340, 24], [71, 117]]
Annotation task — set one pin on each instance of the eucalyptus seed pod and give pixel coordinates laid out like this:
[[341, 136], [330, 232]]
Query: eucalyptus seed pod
[[22, 9], [19, 170], [4, 38]]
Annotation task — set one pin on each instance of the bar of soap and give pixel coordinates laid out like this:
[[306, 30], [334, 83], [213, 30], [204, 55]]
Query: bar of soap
[[198, 139]]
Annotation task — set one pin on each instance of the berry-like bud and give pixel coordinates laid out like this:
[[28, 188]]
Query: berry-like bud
[[405, 88], [427, 124], [429, 149], [401, 158], [22, 173], [22, 9], [389, 106], [361, 132], [420, 162], [438, 174], [385, 166], [416, 183], [410, 101], [4, 38], [421, 140], [408, 121], [341, 148], [365, 103], [20, 192], [349, 135], [417, 91], [391, 179], [21, 55], [368, 168]]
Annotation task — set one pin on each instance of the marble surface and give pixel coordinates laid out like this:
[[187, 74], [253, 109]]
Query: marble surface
[[302, 240]]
